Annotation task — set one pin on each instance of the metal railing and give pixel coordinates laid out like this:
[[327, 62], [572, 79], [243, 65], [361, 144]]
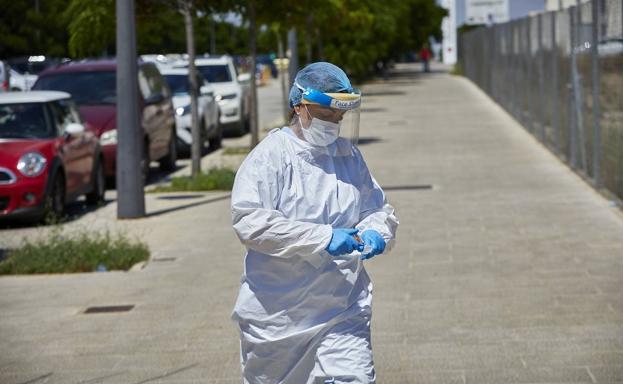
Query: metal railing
[[560, 74]]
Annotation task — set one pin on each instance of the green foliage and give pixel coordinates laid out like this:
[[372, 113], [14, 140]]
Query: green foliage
[[26, 30], [354, 34], [82, 252], [215, 179], [91, 26], [236, 151]]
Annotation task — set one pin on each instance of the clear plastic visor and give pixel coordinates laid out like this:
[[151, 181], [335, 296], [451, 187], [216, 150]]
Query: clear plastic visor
[[347, 122]]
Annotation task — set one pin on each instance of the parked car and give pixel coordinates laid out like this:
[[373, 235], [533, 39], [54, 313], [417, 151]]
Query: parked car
[[92, 84], [232, 92], [47, 157], [207, 107], [606, 47], [5, 76], [21, 82], [24, 70]]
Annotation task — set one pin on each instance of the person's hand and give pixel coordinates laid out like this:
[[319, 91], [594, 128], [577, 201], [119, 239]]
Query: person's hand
[[343, 242], [374, 244]]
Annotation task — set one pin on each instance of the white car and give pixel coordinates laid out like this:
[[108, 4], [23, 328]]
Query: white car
[[209, 124], [232, 91], [21, 82]]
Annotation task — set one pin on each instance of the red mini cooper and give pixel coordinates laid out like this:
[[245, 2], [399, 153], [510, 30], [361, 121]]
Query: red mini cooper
[[47, 157]]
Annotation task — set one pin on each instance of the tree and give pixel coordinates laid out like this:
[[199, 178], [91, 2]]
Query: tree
[[91, 27], [33, 27], [187, 9]]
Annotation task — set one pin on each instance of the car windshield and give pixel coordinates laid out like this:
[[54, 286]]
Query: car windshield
[[24, 121], [86, 88], [215, 73], [31, 67], [178, 84]]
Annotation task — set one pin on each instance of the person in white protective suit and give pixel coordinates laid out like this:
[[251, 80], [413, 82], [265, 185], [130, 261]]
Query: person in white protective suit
[[309, 213]]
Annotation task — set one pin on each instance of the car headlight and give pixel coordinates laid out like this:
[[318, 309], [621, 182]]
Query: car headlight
[[181, 111], [31, 164], [109, 137]]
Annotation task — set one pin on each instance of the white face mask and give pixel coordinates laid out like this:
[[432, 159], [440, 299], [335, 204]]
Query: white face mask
[[320, 132]]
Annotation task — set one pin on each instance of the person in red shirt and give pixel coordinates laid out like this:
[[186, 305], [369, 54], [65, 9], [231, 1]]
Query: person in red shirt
[[425, 55]]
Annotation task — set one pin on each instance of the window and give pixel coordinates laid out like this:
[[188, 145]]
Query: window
[[24, 121], [215, 73], [63, 115], [86, 88]]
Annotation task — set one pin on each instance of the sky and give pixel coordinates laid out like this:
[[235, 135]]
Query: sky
[[518, 8]]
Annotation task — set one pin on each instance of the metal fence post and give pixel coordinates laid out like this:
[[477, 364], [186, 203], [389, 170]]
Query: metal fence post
[[572, 99], [530, 80], [541, 57], [596, 92], [555, 94], [579, 94]]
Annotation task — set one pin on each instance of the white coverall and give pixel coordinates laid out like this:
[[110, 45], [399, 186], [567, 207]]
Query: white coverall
[[304, 315]]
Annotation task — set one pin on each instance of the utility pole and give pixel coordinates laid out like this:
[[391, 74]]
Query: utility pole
[[197, 141], [130, 195]]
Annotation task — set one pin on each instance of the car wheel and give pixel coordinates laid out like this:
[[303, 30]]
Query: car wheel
[[167, 163], [96, 196], [247, 124], [145, 162], [216, 141], [55, 201]]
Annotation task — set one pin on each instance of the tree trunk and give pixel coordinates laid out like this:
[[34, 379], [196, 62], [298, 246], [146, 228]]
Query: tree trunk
[[294, 55], [309, 37], [320, 46], [282, 78], [197, 139], [253, 48]]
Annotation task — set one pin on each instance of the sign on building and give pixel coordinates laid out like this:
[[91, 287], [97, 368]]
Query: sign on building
[[487, 11]]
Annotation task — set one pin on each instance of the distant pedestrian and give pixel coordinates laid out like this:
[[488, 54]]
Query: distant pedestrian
[[425, 55]]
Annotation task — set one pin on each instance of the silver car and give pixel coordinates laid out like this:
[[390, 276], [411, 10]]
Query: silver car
[[208, 110]]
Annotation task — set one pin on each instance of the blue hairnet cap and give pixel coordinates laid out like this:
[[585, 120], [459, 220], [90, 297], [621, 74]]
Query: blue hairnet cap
[[322, 76]]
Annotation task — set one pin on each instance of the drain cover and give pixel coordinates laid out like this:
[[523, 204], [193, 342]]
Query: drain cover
[[407, 187], [164, 259], [109, 309]]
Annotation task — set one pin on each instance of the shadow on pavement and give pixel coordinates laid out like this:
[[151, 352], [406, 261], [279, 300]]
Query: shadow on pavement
[[35, 380], [368, 140], [179, 197], [155, 378], [73, 211], [186, 206]]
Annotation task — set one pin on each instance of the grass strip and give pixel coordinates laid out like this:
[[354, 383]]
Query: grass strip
[[215, 180], [82, 252]]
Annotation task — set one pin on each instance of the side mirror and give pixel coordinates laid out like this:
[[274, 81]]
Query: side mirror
[[154, 99], [74, 129], [244, 77], [206, 91]]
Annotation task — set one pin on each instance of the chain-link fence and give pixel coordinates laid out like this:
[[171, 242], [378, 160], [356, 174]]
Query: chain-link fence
[[560, 74]]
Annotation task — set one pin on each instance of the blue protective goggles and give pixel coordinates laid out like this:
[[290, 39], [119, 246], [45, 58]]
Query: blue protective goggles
[[345, 101]]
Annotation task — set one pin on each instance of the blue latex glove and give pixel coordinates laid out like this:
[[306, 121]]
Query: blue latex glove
[[373, 242], [343, 242]]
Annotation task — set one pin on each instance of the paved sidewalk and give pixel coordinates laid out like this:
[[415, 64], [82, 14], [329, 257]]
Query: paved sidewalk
[[510, 269]]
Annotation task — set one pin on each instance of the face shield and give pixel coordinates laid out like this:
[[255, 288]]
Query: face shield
[[330, 121]]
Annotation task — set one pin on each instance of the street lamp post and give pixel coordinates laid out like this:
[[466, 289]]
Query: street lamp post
[[130, 195]]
